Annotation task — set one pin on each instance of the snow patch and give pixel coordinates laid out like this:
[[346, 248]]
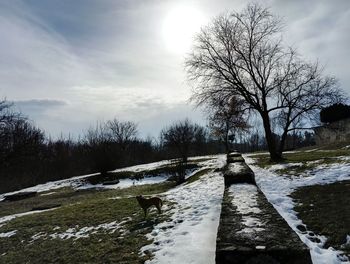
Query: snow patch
[[8, 234], [284, 166], [277, 189], [84, 232], [244, 198], [190, 236], [236, 167], [124, 183], [77, 181], [10, 217]]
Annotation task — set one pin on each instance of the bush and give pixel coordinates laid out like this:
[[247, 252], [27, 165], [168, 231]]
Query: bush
[[334, 113]]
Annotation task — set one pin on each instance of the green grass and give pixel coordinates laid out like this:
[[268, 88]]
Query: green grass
[[304, 157], [325, 210], [81, 209]]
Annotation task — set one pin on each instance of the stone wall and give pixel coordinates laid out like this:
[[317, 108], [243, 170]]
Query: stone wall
[[250, 229], [334, 132]]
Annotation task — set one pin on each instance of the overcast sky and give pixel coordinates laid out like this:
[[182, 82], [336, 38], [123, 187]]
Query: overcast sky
[[67, 64]]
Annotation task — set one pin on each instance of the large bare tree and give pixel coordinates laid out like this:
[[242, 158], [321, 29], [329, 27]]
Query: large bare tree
[[242, 54]]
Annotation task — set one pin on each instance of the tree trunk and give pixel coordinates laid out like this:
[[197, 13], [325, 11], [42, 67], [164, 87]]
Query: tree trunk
[[271, 145], [227, 148], [282, 142]]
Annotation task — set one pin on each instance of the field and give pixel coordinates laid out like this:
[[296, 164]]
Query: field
[[78, 221], [310, 189], [91, 225]]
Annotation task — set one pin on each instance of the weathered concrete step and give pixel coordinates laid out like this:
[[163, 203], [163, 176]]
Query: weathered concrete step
[[234, 159], [234, 154], [252, 231], [238, 172]]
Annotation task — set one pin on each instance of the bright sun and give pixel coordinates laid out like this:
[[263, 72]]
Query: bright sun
[[180, 26]]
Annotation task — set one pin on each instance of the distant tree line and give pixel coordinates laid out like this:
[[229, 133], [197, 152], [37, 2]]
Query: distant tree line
[[28, 157]]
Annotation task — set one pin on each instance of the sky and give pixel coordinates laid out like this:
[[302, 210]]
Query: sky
[[69, 64]]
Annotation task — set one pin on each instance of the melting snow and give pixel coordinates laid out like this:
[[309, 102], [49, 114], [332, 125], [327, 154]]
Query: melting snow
[[76, 183], [277, 189], [10, 217], [244, 199], [125, 183], [8, 234], [84, 232], [236, 167], [284, 166], [190, 237]]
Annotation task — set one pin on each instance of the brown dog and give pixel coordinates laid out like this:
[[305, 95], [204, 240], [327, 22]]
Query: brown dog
[[146, 203]]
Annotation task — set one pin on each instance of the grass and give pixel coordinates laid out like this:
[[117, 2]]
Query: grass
[[81, 209], [309, 159], [325, 210], [165, 169]]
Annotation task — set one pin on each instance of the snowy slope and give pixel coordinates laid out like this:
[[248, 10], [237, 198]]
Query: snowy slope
[[190, 237], [277, 189]]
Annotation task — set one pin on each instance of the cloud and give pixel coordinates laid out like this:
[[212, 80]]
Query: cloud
[[102, 59], [40, 103]]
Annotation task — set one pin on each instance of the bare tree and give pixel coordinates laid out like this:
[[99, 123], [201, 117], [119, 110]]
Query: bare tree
[[241, 54], [122, 132], [7, 116], [226, 118], [181, 137], [100, 148], [302, 96]]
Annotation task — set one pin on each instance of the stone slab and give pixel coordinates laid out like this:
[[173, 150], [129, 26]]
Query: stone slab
[[238, 172], [234, 159], [234, 154], [252, 231]]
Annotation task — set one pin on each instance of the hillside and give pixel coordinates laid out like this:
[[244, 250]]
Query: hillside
[[76, 221]]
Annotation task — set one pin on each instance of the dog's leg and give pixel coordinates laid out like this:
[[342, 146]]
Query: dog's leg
[[145, 210]]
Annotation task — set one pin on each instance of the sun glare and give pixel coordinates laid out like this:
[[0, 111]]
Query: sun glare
[[180, 26]]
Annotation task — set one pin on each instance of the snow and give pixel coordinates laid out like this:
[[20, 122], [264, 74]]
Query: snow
[[236, 167], [8, 234], [277, 189], [147, 166], [49, 185], [77, 183], [84, 232], [46, 194], [284, 166], [10, 217], [190, 236], [125, 183], [347, 240], [244, 198]]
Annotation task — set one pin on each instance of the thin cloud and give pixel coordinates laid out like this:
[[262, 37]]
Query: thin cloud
[[101, 59]]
